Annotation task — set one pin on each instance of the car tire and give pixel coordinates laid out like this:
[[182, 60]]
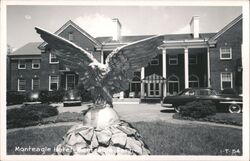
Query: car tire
[[234, 108]]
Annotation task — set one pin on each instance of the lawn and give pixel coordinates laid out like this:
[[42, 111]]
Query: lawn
[[162, 138]]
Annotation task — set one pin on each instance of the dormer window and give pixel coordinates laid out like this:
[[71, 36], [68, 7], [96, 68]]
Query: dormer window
[[71, 37]]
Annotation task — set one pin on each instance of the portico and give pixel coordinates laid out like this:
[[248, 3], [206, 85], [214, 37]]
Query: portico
[[185, 64]]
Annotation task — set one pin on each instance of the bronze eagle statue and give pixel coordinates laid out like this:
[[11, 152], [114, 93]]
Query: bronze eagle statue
[[103, 79]]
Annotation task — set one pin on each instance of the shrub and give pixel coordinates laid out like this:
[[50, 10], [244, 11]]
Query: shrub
[[56, 96], [14, 98], [198, 109], [29, 115], [46, 96]]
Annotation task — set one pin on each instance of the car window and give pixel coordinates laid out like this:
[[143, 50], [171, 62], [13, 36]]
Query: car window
[[205, 92], [188, 93]]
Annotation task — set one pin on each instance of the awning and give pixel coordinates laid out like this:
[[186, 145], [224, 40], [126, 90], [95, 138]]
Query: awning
[[154, 78]]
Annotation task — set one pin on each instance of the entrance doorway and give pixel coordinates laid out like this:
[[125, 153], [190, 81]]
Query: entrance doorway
[[154, 89]]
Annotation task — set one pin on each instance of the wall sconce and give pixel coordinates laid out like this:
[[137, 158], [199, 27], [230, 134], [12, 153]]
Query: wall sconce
[[226, 69]]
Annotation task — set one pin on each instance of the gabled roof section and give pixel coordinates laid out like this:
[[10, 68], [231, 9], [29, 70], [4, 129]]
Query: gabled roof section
[[76, 27], [227, 27], [167, 37], [123, 40], [28, 49]]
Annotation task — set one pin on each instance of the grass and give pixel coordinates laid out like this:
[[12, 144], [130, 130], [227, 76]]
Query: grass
[[35, 138], [162, 139], [29, 115], [174, 139], [224, 118], [63, 117]]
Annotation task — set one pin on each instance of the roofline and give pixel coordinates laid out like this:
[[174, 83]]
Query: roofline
[[227, 27], [67, 24]]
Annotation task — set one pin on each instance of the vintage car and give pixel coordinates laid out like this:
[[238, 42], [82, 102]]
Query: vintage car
[[72, 97], [32, 98], [229, 102]]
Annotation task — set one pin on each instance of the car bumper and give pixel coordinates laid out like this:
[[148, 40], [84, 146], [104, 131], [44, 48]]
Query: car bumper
[[71, 102], [166, 104]]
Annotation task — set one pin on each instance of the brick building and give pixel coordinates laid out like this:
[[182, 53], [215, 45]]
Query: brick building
[[184, 60]]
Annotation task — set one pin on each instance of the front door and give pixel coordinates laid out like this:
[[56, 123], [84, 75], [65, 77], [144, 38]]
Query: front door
[[70, 81], [154, 89]]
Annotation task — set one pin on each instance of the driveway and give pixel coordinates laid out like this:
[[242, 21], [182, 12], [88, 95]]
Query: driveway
[[143, 112], [130, 112], [139, 112]]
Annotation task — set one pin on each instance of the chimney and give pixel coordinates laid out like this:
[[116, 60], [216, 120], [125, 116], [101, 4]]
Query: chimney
[[195, 26], [116, 29]]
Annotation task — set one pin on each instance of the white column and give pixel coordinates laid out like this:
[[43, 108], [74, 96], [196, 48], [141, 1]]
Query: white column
[[186, 68], [164, 72], [121, 95], [102, 57], [208, 68], [142, 83]]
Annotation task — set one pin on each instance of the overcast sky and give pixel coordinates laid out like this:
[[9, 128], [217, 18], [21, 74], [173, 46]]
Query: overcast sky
[[96, 20]]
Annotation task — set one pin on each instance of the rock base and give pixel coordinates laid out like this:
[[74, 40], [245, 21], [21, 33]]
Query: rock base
[[116, 139]]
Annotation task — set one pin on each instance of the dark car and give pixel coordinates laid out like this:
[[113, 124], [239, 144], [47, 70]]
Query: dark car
[[32, 98], [230, 102], [72, 97]]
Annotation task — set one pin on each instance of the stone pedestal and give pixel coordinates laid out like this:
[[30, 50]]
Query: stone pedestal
[[102, 133]]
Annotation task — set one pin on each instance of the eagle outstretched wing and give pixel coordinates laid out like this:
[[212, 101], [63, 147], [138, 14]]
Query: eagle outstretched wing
[[123, 61], [114, 76], [73, 57]]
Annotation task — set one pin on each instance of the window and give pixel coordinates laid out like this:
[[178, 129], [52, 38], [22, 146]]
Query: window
[[53, 59], [21, 64], [135, 86], [193, 81], [71, 37], [173, 60], [154, 89], [192, 59], [35, 84], [189, 93], [53, 83], [36, 64], [173, 84], [225, 53], [70, 81], [226, 80], [155, 61], [21, 84]]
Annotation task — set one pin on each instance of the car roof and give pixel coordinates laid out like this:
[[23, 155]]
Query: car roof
[[197, 88]]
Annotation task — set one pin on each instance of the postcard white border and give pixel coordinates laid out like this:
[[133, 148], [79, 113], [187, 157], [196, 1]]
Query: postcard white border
[[245, 58]]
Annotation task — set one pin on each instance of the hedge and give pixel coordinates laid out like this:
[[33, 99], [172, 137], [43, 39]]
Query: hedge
[[198, 109]]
